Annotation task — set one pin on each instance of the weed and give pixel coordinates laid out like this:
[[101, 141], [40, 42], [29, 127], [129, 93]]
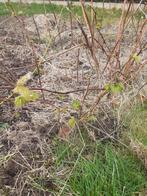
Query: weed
[[136, 122], [101, 170], [112, 174]]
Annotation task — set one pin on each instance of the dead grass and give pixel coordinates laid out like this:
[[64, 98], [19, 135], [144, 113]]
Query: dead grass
[[86, 73]]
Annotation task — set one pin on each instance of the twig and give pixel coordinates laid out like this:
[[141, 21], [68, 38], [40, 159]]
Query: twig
[[68, 92]]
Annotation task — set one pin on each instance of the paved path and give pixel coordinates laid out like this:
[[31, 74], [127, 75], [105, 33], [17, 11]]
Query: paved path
[[96, 4]]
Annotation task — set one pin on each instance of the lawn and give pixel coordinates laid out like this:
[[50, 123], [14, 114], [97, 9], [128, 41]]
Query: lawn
[[33, 8]]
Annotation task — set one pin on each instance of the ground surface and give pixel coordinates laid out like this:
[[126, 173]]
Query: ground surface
[[27, 158]]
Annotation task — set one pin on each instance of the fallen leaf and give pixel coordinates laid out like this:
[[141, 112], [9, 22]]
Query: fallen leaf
[[64, 132]]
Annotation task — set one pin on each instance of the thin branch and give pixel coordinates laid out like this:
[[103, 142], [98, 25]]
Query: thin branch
[[67, 92]]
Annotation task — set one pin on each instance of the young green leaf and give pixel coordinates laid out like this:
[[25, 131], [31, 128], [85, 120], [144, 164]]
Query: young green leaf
[[137, 58], [19, 101], [25, 95], [117, 88], [99, 25], [76, 104], [114, 88], [92, 118], [21, 90], [107, 87], [72, 122]]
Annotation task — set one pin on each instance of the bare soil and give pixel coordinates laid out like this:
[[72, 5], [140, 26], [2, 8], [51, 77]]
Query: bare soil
[[66, 65]]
